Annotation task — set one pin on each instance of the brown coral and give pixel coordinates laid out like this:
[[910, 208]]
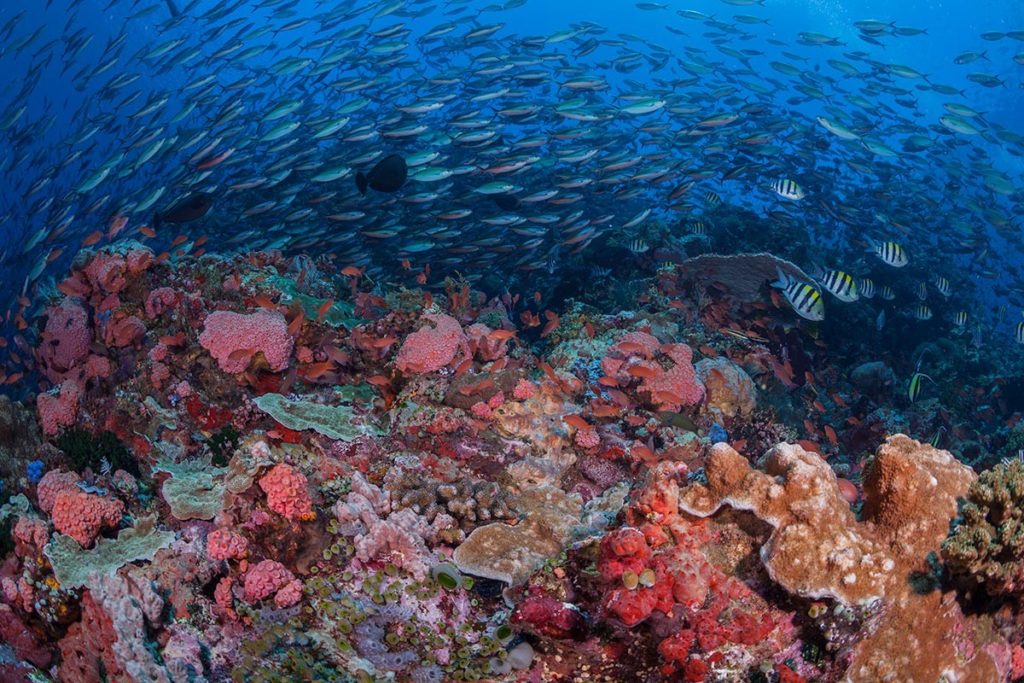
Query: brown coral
[[818, 548]]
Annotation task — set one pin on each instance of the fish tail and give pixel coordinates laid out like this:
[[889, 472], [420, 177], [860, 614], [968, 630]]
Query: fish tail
[[361, 182], [783, 280]]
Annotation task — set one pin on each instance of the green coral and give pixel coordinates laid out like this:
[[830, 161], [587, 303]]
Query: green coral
[[339, 422], [986, 546], [195, 489], [72, 565], [84, 450]]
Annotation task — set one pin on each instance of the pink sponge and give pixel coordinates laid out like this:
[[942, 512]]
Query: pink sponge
[[81, 515], [234, 338], [58, 411], [224, 544], [287, 491], [65, 340], [432, 348], [159, 300], [264, 579]]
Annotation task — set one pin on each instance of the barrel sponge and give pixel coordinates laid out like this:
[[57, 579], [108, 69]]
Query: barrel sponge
[[234, 338], [57, 411], [66, 337]]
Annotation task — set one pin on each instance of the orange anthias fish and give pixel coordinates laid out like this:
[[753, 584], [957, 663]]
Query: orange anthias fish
[[93, 238], [552, 324], [575, 421], [324, 307]]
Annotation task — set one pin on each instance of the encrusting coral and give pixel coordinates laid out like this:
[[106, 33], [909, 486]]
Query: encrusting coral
[[818, 549]]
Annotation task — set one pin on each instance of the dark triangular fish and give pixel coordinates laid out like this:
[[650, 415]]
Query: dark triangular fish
[[387, 176], [506, 202], [189, 208]]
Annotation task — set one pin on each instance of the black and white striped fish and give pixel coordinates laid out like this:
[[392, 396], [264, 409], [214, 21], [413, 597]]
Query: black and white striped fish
[[840, 284], [866, 287], [942, 284], [712, 199], [638, 245], [787, 189], [887, 293], [923, 312], [804, 298], [960, 318], [1019, 336], [891, 253]]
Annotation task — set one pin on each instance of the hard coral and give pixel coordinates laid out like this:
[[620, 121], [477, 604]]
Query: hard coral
[[58, 411], [987, 544], [287, 492], [82, 515], [265, 579], [432, 348], [819, 549], [730, 391], [224, 544], [234, 338]]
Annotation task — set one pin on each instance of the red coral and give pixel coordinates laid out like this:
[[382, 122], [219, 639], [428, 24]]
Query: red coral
[[234, 338], [106, 272], [431, 348], [86, 651], [287, 492], [123, 330], [59, 411], [669, 382], [547, 616], [82, 515]]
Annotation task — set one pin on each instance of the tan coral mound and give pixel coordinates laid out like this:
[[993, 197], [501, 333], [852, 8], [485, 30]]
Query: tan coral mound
[[819, 549]]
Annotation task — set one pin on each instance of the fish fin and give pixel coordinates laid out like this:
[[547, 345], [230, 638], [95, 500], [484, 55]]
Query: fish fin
[[783, 280], [361, 182]]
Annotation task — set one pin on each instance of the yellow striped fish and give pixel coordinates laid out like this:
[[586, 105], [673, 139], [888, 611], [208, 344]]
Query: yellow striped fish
[[841, 284], [891, 253], [804, 298]]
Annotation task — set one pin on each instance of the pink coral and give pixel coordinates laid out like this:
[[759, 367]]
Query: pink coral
[[159, 374], [59, 411], [52, 483], [431, 348], [65, 339], [287, 492], [123, 330], [524, 390], [82, 515], [222, 596], [289, 595], [669, 384], [264, 579], [159, 301], [234, 338], [30, 532], [587, 438], [106, 272], [224, 544], [481, 411], [97, 367]]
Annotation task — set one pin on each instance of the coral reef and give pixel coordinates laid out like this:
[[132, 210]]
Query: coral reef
[[230, 475]]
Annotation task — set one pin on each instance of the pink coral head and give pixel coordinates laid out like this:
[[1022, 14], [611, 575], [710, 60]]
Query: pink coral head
[[234, 338], [287, 492], [82, 515], [432, 348]]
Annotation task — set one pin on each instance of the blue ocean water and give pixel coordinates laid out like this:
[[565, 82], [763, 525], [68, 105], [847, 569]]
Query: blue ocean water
[[114, 114]]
